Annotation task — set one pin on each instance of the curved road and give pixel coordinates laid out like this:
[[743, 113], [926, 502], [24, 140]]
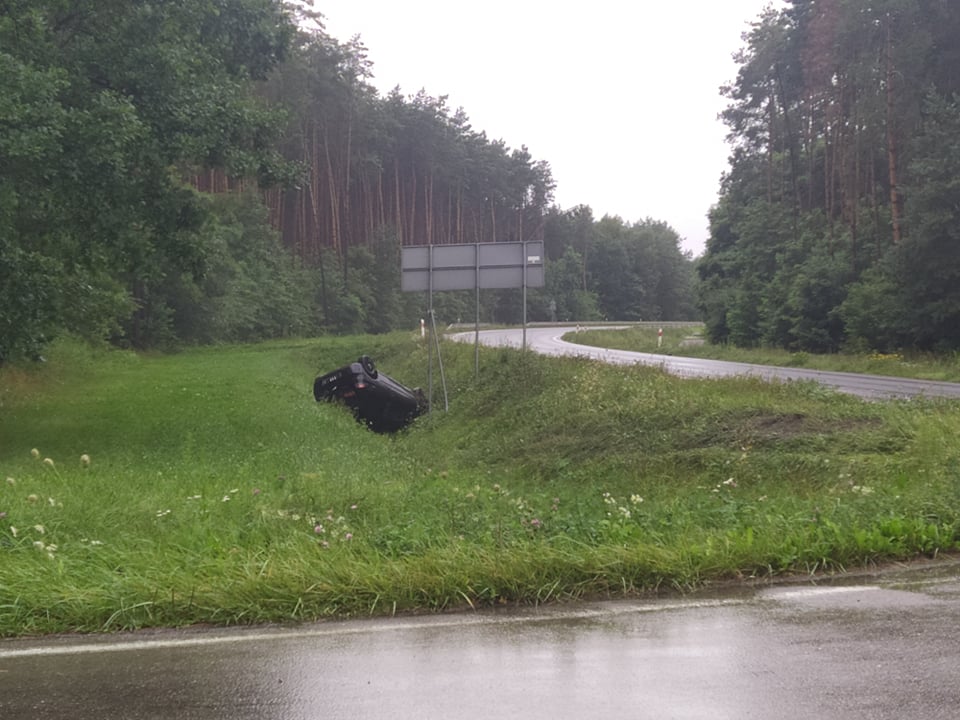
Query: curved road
[[549, 341]]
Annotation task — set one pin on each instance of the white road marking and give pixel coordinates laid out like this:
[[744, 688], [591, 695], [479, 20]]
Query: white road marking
[[819, 591], [92, 647]]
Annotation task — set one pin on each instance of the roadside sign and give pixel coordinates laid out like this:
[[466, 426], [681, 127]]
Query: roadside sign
[[482, 266], [477, 266]]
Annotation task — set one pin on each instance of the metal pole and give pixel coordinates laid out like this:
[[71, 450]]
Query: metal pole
[[432, 326], [443, 378], [523, 248], [476, 336]]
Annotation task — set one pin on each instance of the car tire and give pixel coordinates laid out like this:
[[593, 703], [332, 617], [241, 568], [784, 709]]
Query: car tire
[[368, 367]]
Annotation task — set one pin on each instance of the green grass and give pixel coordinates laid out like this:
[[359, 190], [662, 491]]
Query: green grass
[[219, 492], [688, 342]]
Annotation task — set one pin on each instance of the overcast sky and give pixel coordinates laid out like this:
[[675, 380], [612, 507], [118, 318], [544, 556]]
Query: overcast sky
[[621, 97]]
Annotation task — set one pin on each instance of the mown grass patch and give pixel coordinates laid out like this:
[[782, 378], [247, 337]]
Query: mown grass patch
[[218, 491]]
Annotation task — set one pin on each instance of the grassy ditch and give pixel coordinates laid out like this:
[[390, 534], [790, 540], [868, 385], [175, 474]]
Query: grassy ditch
[[688, 342], [209, 487]]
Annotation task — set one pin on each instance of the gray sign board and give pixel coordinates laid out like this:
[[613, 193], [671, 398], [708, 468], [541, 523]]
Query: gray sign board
[[483, 266]]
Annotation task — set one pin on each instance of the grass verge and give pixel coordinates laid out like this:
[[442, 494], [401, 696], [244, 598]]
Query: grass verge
[[218, 491]]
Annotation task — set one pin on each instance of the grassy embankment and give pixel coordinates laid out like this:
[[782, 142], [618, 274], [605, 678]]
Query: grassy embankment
[[218, 491]]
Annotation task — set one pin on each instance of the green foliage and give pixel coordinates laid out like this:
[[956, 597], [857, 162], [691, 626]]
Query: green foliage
[[612, 269], [639, 271], [30, 297], [834, 225], [929, 261], [563, 298], [911, 299], [251, 290], [874, 312], [105, 107], [804, 313], [373, 279], [31, 122]]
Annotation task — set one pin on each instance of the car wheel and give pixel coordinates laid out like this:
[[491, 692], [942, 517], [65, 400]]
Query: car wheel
[[368, 367]]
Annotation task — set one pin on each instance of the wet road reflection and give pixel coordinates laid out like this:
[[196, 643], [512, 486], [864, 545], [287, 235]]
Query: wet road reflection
[[881, 647]]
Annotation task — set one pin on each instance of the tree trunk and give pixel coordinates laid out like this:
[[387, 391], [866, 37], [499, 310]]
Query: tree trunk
[[428, 208], [334, 197], [347, 228], [319, 251], [855, 190], [892, 149], [381, 209], [397, 207], [791, 142], [458, 223], [771, 134], [875, 208], [411, 200]]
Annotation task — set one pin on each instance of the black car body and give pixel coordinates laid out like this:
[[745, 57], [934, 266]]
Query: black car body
[[377, 400]]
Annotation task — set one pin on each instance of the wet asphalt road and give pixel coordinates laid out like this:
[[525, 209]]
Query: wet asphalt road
[[873, 648], [549, 341]]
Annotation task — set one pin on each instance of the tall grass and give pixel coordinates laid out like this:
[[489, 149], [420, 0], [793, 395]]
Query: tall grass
[[208, 486]]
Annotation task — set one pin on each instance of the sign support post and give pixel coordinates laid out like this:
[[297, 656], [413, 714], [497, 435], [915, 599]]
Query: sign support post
[[477, 266], [476, 325], [523, 346]]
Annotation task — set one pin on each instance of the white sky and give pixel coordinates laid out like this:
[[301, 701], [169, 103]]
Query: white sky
[[620, 96]]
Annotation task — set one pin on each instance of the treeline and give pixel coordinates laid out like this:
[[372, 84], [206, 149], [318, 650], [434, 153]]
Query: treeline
[[186, 172], [384, 172], [106, 106], [838, 224]]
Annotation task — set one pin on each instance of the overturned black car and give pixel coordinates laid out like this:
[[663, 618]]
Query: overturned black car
[[377, 400]]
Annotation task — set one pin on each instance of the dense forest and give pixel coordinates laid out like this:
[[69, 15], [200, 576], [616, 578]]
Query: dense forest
[[838, 224], [195, 171]]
